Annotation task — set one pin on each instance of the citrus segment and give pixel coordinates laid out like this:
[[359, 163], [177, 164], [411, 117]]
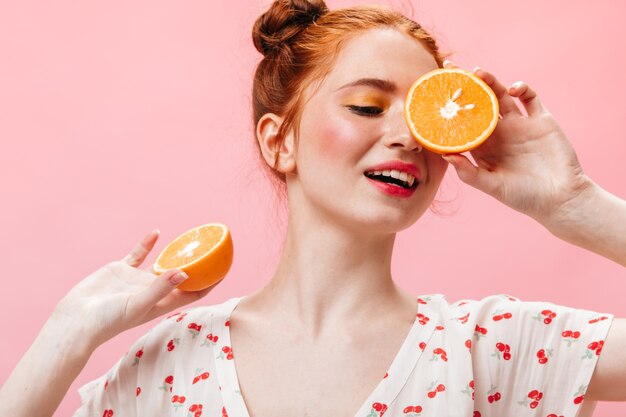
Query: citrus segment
[[451, 110], [205, 253]]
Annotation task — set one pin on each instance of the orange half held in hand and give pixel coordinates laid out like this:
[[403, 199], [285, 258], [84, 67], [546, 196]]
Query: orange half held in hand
[[205, 253], [451, 110]]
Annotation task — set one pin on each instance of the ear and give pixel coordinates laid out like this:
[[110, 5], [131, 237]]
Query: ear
[[267, 135]]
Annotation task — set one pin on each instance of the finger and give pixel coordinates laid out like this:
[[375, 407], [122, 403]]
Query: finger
[[177, 299], [528, 97], [478, 177], [448, 64], [507, 104], [139, 253], [162, 285]]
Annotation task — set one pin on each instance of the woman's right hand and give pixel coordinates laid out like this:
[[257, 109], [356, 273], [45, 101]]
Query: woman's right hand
[[119, 296]]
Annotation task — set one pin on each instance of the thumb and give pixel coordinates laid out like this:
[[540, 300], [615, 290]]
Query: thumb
[[162, 286], [476, 176]]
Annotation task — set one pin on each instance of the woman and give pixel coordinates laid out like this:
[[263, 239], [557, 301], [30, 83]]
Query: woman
[[332, 334]]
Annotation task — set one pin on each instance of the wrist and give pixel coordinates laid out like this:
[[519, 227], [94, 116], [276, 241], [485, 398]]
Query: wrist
[[572, 216], [70, 335]]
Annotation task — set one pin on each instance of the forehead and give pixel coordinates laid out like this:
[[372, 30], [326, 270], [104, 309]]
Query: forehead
[[380, 53]]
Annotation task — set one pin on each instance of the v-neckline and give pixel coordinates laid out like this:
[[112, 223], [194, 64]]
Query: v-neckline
[[384, 393]]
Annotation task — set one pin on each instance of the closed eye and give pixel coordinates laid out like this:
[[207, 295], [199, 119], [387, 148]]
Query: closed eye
[[368, 111]]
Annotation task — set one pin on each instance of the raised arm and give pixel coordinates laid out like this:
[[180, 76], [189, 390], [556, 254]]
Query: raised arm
[[529, 164], [111, 300]]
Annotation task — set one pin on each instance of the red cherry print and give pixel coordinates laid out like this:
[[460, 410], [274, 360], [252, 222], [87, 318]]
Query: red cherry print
[[546, 312], [534, 404], [377, 406], [490, 398], [227, 323], [471, 384], [439, 328], [226, 349], [579, 399], [552, 315], [224, 413], [444, 357], [598, 351], [386, 375], [139, 353], [441, 387], [181, 399], [468, 344], [193, 407], [106, 384], [476, 414], [174, 398], [422, 345], [576, 335], [497, 396], [420, 301], [497, 317], [547, 320], [539, 396], [215, 338], [195, 380], [592, 346], [172, 315], [532, 394], [500, 346], [483, 330], [107, 413], [169, 379], [506, 356], [507, 315], [438, 351], [182, 316], [566, 333], [431, 394], [407, 410], [507, 348], [541, 353], [417, 409], [543, 361], [464, 319], [205, 375], [229, 356], [138, 391]]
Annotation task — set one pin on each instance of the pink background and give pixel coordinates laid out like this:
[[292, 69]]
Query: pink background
[[119, 117]]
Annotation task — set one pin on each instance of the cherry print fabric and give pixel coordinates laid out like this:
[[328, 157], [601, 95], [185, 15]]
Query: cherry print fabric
[[473, 358]]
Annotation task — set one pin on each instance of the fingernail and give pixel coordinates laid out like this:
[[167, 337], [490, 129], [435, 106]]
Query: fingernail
[[157, 231], [477, 69], [178, 278], [447, 61]]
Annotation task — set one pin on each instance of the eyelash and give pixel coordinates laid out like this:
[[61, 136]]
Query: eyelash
[[366, 111]]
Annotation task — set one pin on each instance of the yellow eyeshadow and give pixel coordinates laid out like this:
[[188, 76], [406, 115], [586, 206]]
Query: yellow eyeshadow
[[361, 100]]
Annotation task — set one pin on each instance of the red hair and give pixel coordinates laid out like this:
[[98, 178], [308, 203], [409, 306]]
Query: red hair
[[300, 41]]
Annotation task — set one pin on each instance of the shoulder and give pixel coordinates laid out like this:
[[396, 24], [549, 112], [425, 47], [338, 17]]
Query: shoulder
[[178, 326]]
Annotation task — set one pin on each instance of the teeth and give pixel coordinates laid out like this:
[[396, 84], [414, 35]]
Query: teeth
[[404, 176]]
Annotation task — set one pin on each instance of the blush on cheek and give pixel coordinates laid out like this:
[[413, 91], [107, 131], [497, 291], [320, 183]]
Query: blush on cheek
[[338, 138]]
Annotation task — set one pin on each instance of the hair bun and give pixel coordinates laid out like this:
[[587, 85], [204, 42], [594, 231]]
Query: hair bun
[[284, 20]]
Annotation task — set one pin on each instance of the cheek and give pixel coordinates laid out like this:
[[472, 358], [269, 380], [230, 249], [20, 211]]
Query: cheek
[[338, 137]]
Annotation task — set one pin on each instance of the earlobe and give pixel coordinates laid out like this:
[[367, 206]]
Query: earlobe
[[268, 138]]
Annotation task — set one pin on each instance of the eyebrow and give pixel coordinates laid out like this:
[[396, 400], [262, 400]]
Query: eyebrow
[[384, 85]]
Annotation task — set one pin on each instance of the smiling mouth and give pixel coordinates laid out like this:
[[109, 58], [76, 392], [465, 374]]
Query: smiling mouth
[[393, 181]]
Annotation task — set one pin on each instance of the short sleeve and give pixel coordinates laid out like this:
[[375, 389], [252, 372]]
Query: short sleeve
[[136, 378], [534, 357]]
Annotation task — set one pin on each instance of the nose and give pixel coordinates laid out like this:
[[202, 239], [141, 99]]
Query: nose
[[400, 135]]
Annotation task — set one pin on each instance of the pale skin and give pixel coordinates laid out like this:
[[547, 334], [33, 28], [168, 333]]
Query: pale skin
[[334, 274]]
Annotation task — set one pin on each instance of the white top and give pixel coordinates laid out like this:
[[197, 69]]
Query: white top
[[498, 356]]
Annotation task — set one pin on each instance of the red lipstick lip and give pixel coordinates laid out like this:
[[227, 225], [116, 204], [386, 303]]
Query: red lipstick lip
[[399, 166]]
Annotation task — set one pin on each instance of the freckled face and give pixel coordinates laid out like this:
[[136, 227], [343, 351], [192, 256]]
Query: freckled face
[[346, 128]]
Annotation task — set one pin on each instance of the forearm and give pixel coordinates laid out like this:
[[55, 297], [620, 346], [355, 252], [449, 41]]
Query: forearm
[[41, 379], [596, 221]]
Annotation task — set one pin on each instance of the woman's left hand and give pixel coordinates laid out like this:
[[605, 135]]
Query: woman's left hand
[[527, 163]]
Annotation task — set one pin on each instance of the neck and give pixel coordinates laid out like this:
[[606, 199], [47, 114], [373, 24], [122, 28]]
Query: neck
[[330, 275]]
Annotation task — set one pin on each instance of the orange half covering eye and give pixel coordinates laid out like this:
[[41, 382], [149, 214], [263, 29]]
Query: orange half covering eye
[[451, 111]]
